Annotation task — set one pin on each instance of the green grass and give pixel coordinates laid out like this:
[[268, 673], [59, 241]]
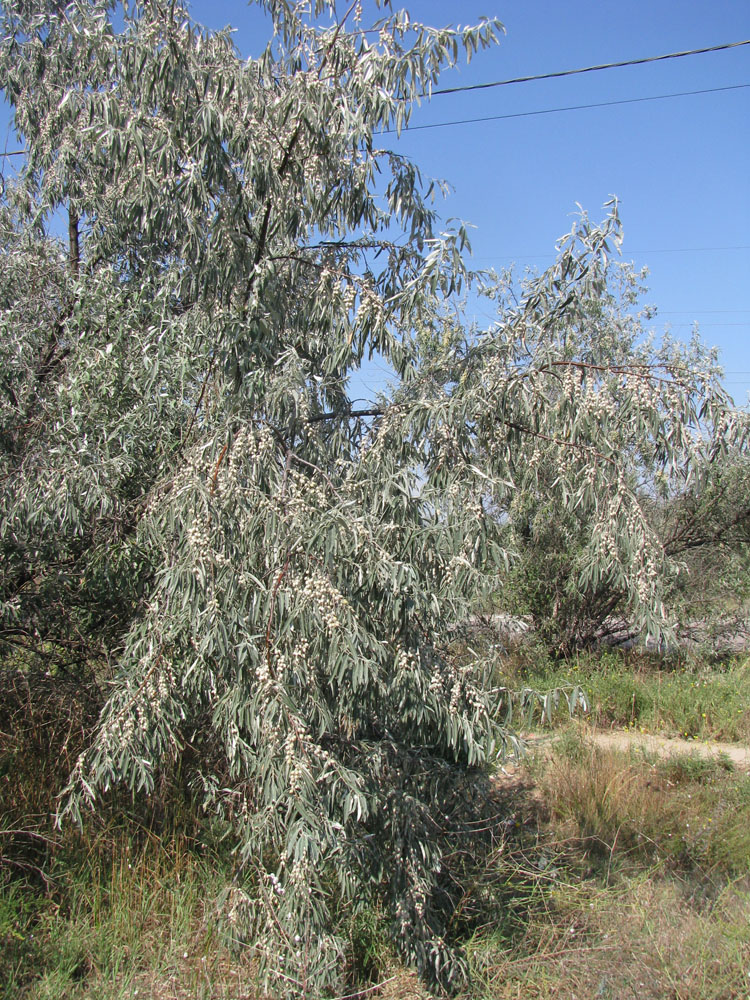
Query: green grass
[[692, 701], [113, 918]]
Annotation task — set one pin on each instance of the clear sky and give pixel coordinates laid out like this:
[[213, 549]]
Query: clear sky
[[680, 167]]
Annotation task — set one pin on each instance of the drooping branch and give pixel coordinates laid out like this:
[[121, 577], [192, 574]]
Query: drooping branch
[[346, 414]]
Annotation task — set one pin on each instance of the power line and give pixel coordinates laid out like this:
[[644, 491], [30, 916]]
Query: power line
[[570, 107], [589, 69], [627, 253], [691, 250]]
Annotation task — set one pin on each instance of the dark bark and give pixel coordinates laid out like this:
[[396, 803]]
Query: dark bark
[[74, 251]]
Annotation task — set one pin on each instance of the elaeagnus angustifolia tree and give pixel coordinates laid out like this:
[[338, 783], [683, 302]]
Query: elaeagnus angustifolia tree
[[571, 574], [272, 570]]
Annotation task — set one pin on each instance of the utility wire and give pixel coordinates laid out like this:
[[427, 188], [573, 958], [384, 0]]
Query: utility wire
[[570, 107], [588, 69], [625, 253], [691, 250]]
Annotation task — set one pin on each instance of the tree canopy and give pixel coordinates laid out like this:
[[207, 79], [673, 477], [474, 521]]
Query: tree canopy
[[692, 486], [264, 574]]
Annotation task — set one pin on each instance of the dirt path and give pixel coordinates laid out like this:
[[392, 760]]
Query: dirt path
[[620, 739], [623, 739]]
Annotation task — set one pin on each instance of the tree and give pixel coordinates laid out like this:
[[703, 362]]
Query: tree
[[705, 529], [285, 570], [692, 487]]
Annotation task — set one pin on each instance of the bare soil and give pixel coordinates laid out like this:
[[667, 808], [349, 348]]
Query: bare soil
[[621, 739]]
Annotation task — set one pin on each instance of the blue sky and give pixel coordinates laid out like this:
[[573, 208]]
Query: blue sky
[[680, 167]]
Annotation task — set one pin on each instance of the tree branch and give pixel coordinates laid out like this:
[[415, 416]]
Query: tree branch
[[346, 414], [74, 251], [285, 160]]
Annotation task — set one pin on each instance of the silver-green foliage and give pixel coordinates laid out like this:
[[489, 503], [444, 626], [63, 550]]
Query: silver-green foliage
[[285, 570], [678, 442]]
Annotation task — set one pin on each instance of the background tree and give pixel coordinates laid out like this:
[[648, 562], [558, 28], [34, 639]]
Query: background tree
[[705, 530], [284, 571], [690, 484]]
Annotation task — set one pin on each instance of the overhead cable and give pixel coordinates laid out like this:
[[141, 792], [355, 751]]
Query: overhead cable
[[628, 251], [569, 107], [588, 69]]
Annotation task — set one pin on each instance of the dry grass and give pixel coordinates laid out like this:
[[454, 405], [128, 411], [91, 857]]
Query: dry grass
[[641, 887], [690, 812], [642, 940]]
